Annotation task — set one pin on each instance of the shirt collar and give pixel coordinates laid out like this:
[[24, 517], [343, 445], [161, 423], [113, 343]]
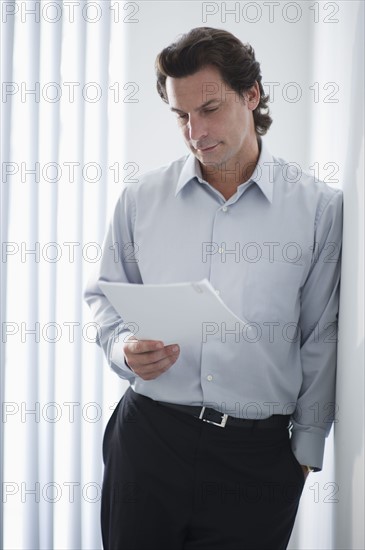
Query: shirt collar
[[190, 170], [263, 174]]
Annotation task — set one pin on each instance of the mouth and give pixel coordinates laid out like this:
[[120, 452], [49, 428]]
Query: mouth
[[207, 149]]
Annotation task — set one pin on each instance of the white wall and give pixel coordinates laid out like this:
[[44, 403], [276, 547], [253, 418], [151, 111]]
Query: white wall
[[348, 58], [324, 46], [335, 497]]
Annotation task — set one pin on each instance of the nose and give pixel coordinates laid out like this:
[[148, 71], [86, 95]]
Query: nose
[[196, 129]]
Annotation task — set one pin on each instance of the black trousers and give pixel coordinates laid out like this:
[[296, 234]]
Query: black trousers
[[173, 482]]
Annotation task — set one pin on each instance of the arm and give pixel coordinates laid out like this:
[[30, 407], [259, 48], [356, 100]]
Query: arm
[[147, 359], [316, 407], [119, 262]]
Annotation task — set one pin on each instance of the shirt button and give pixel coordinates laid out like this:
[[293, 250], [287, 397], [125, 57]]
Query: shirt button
[[209, 377], [217, 292], [224, 209]]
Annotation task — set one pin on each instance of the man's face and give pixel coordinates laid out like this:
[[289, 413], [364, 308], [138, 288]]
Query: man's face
[[217, 124]]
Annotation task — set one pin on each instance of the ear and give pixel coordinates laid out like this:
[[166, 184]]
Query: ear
[[253, 97]]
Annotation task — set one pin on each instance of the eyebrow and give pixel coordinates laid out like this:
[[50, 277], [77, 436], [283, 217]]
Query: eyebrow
[[206, 104]]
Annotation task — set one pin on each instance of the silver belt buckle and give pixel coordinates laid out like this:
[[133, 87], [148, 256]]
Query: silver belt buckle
[[222, 423]]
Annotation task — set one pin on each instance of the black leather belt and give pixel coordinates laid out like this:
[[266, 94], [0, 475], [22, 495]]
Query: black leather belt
[[221, 419]]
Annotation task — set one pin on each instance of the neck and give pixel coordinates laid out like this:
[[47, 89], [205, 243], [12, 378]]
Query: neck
[[229, 175]]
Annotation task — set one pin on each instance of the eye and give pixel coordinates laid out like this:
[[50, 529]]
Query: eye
[[210, 110], [182, 115]]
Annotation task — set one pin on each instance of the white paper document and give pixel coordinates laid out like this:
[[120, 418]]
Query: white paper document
[[179, 313]]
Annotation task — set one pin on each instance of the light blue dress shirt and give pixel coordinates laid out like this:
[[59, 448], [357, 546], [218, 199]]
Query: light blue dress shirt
[[272, 252]]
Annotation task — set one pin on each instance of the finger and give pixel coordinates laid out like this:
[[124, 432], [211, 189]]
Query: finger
[[149, 372], [153, 357], [143, 346]]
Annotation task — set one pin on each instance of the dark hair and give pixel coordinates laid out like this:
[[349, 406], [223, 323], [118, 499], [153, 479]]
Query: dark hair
[[235, 61]]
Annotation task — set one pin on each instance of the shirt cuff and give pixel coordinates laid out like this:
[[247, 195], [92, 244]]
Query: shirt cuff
[[117, 357], [308, 448]]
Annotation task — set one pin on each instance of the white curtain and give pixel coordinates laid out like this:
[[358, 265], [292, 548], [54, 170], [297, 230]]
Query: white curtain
[[57, 393], [73, 74]]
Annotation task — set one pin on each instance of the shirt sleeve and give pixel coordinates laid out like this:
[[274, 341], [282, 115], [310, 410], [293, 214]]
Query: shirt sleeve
[[316, 408], [119, 263]]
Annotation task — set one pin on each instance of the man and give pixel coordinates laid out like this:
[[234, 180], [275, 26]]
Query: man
[[198, 452]]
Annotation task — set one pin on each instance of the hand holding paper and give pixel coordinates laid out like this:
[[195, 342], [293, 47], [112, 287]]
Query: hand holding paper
[[149, 358]]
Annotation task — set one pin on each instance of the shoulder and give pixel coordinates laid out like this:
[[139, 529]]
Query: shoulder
[[307, 190], [158, 178]]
